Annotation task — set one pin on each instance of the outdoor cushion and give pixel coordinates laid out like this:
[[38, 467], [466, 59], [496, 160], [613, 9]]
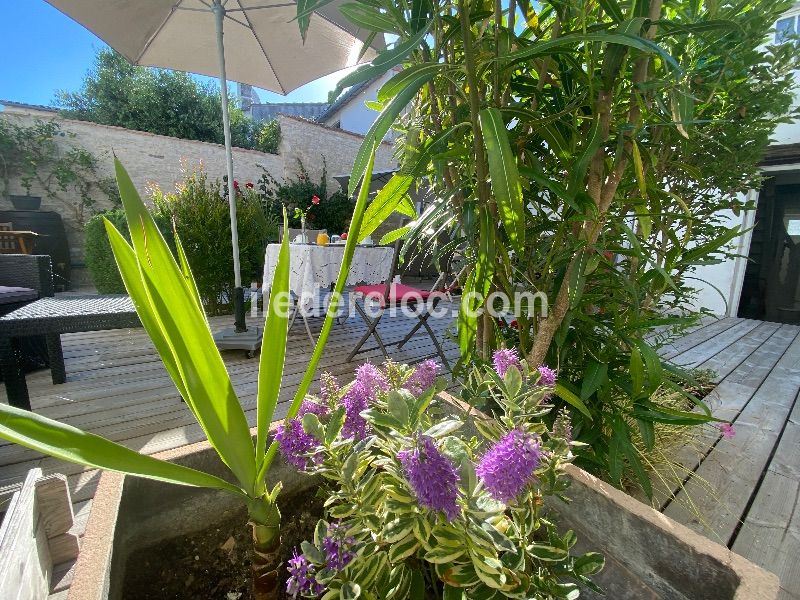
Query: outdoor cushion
[[11, 295], [398, 293]]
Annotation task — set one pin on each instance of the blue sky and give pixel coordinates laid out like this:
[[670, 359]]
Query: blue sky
[[45, 51]]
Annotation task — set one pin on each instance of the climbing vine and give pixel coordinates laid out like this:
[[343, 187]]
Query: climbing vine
[[69, 175]]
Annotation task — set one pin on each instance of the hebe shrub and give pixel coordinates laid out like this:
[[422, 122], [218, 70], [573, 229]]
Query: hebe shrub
[[423, 504]]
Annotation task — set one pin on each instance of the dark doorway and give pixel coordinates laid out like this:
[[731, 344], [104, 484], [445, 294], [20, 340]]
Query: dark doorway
[[771, 288]]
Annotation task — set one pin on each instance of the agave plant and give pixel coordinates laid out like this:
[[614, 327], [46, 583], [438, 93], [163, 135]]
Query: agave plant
[[166, 299]]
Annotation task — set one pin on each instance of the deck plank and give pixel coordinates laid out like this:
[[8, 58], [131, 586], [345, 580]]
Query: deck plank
[[733, 468], [712, 347], [771, 530], [698, 336]]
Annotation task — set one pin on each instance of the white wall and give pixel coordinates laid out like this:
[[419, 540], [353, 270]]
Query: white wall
[[720, 285], [355, 116]]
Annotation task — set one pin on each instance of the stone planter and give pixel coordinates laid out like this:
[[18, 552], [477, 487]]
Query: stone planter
[[648, 556], [26, 202]]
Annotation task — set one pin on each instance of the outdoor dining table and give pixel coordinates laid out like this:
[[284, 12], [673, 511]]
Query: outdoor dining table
[[313, 269]]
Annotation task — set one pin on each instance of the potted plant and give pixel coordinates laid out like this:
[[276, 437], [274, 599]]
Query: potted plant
[[428, 497], [26, 202]]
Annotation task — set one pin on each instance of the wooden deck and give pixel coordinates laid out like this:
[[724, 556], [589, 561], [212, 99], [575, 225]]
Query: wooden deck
[[744, 491], [117, 387], [746, 488]]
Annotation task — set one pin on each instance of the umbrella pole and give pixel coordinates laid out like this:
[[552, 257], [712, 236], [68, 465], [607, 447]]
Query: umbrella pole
[[238, 292]]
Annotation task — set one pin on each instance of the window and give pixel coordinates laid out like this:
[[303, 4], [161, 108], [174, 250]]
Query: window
[[785, 28]]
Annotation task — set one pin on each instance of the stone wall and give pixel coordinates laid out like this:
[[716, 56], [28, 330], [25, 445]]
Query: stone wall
[[310, 142], [160, 160]]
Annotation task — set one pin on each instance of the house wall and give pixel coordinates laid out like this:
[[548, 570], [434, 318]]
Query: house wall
[[155, 159], [355, 116], [719, 286]]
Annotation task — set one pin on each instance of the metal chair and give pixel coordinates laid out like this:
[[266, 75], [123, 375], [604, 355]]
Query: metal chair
[[391, 294]]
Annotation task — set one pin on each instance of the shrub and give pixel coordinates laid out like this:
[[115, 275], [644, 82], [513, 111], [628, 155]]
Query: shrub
[[333, 213], [418, 504], [99, 258], [200, 213]]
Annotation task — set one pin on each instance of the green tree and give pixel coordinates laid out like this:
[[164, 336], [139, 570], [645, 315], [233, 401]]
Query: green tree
[[584, 150], [156, 100]]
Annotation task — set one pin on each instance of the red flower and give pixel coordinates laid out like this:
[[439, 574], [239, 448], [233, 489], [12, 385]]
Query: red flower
[[249, 185], [235, 184], [315, 199], [514, 324]]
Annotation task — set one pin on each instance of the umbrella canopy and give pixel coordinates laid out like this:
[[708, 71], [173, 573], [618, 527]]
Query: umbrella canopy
[[263, 46]]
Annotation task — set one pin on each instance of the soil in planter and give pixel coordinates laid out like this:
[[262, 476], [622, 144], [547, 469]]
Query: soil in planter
[[215, 563]]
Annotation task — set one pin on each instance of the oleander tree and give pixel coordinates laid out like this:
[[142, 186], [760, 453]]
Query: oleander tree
[[585, 151]]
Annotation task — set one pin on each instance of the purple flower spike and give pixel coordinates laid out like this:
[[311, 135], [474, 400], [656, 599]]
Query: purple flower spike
[[432, 476], [315, 408], [505, 358], [301, 577], [294, 443], [423, 377], [547, 376], [508, 466], [337, 546], [369, 381]]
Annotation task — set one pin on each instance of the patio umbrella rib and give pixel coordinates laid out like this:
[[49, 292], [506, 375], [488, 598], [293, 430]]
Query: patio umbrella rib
[[261, 45], [152, 38]]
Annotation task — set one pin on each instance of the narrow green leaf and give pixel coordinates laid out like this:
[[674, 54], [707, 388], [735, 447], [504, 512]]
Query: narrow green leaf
[[394, 235], [594, 139], [385, 203], [382, 63], [202, 373], [636, 367], [467, 317], [595, 375], [71, 444], [571, 398], [505, 178], [639, 166], [131, 277], [187, 271], [568, 42], [368, 17], [305, 8], [406, 77], [273, 346]]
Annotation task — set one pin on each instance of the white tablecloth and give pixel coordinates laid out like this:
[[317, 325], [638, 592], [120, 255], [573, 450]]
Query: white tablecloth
[[313, 268]]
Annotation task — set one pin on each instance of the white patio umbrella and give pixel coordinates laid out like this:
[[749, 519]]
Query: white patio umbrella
[[249, 41]]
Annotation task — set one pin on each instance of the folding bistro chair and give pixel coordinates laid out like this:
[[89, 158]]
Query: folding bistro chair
[[388, 295]]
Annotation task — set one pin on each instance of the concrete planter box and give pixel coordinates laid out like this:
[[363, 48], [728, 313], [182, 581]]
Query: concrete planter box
[[648, 556]]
